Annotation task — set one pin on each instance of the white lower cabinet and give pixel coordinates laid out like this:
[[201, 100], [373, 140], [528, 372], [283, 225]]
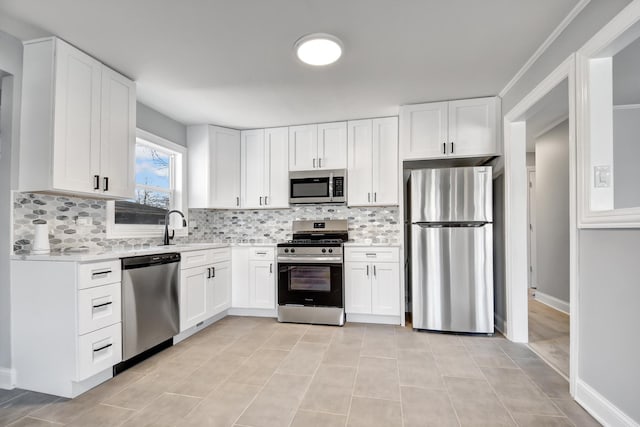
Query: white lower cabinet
[[254, 280], [205, 285], [66, 320], [372, 284]]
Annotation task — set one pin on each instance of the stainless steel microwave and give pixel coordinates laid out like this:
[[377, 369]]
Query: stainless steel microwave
[[318, 187]]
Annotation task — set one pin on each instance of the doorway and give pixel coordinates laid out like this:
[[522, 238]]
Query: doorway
[[548, 109]]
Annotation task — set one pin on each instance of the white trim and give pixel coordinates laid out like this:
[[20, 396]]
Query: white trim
[[545, 45], [515, 214], [121, 231], [374, 318], [253, 312], [552, 125], [553, 302], [602, 409], [7, 379], [623, 29]]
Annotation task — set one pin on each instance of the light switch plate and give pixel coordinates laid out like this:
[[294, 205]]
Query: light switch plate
[[602, 176]]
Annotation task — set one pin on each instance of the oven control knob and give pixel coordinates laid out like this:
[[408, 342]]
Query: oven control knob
[[330, 250], [286, 251], [324, 250], [292, 250]]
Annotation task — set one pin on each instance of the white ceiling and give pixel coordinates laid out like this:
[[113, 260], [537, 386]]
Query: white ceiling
[[231, 62]]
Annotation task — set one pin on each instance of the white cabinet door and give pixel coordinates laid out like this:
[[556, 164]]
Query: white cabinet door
[[385, 161], [224, 162], [385, 286], [303, 147], [262, 288], [360, 157], [220, 287], [253, 168], [424, 132], [357, 278], [76, 146], [118, 130], [193, 296], [472, 127], [332, 145], [276, 149], [240, 277]]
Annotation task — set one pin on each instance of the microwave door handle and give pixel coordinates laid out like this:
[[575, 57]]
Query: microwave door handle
[[331, 187]]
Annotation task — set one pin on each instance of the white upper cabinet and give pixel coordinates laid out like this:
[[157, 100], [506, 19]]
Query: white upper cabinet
[[321, 146], [78, 124], [265, 173], [462, 128], [373, 162], [214, 167]]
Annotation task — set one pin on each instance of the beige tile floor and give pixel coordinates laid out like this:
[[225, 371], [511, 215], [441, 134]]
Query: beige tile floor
[[549, 334], [257, 372]]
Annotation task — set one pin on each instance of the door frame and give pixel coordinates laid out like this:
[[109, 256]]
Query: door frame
[[517, 323], [532, 260]]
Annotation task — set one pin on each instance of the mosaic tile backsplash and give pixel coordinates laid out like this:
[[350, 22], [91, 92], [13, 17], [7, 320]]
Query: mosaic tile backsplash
[[237, 226]]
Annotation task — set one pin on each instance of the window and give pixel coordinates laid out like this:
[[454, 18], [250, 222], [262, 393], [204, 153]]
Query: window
[[160, 182]]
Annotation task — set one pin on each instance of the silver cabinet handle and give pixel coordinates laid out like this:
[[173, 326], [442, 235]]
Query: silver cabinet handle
[[105, 183], [96, 182], [375, 196], [261, 253], [270, 268], [451, 147], [319, 162], [368, 197], [213, 272], [260, 200], [208, 273], [265, 200], [444, 148], [314, 162], [374, 270], [367, 270], [371, 254], [237, 201]]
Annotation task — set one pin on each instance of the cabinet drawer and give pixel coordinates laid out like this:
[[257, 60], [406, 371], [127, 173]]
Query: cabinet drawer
[[262, 253], [98, 274], [98, 307], [218, 255], [195, 259], [99, 350], [373, 254]]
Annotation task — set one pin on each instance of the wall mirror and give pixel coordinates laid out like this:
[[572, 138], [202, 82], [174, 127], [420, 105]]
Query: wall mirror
[[608, 79]]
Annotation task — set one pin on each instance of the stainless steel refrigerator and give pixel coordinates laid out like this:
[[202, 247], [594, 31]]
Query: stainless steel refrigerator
[[452, 249]]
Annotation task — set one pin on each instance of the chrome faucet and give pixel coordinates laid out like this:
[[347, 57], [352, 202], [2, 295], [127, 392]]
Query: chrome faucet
[[167, 238]]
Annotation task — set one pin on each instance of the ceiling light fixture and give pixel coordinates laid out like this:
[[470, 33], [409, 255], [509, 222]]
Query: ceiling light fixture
[[318, 49]]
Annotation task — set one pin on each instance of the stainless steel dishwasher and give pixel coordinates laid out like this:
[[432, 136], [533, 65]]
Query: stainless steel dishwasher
[[150, 302]]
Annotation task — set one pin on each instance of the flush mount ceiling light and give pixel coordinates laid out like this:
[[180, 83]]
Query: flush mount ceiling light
[[318, 49]]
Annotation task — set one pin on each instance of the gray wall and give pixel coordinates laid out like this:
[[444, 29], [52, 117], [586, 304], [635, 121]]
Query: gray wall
[[608, 261], [10, 63], [160, 125], [552, 212], [609, 316], [626, 155]]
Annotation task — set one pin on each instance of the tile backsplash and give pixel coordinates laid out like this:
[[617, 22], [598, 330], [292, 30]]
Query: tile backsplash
[[65, 217]]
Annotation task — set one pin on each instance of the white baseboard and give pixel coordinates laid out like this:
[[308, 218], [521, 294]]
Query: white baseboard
[[7, 378], [600, 408], [195, 329], [552, 302], [500, 324], [374, 318], [253, 312]]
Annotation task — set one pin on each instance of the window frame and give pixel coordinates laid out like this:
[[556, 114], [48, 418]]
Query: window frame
[[178, 179]]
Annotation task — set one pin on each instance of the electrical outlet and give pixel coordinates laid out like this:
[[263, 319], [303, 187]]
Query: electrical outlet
[[83, 221]]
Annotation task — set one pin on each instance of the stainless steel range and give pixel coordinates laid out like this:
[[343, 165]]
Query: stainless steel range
[[310, 273]]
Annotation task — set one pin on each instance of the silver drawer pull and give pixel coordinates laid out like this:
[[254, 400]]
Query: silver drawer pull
[[95, 350], [371, 254], [100, 274], [103, 304], [261, 253]]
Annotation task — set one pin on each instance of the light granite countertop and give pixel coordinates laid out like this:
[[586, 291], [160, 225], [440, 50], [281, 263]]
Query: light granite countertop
[[99, 255]]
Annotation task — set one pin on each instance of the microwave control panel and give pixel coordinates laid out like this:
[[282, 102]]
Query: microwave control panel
[[338, 186]]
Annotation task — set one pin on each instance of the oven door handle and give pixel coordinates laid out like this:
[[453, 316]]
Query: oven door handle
[[315, 260]]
